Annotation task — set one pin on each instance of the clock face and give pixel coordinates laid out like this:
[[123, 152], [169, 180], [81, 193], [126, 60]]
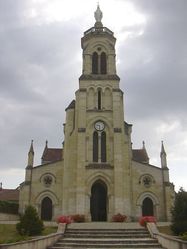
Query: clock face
[[99, 126]]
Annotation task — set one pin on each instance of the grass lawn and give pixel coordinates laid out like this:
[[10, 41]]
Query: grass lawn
[[8, 233]]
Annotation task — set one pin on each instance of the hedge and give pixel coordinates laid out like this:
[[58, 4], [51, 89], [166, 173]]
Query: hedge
[[9, 207]]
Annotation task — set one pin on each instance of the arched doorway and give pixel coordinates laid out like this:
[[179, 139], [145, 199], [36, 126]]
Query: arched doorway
[[147, 207], [46, 209], [98, 201]]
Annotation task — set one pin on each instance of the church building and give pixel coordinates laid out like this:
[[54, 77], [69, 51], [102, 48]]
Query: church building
[[97, 173]]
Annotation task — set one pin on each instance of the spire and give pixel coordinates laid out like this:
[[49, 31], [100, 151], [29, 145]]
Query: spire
[[145, 152], [46, 144], [162, 148], [30, 156], [98, 16], [163, 156], [45, 151], [143, 145], [31, 148]]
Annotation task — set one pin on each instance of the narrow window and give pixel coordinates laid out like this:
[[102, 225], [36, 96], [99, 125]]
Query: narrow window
[[95, 63], [103, 146], [103, 63], [99, 99], [95, 146]]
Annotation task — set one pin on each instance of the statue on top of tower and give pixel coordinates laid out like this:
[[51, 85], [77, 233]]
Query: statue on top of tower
[[98, 14]]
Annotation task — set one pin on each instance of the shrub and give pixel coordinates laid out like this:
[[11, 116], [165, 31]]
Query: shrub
[[179, 227], [119, 218], [78, 218], [184, 236], [145, 219], [64, 219], [179, 213], [30, 224]]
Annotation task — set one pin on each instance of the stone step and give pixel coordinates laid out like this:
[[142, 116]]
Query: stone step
[[109, 247], [123, 233], [116, 246], [106, 236], [106, 244], [105, 225], [134, 238], [106, 241], [107, 230]]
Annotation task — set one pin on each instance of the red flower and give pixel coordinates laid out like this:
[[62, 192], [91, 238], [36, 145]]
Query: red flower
[[144, 219], [119, 218], [64, 219]]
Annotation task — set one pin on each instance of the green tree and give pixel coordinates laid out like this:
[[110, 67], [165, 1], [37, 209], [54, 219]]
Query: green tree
[[30, 223], [179, 213]]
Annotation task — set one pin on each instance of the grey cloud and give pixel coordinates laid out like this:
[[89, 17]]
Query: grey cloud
[[156, 80], [40, 66]]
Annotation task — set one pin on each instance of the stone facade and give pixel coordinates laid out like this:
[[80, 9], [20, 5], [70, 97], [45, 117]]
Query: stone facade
[[97, 173]]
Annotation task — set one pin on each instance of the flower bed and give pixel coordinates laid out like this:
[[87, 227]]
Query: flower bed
[[64, 219], [119, 218], [145, 219]]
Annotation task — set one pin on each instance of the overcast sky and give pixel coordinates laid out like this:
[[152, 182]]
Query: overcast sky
[[41, 60]]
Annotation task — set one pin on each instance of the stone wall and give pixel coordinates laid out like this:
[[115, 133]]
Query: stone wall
[[8, 217], [42, 243]]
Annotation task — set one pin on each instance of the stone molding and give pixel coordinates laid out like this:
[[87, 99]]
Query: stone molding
[[81, 129], [117, 130], [99, 166]]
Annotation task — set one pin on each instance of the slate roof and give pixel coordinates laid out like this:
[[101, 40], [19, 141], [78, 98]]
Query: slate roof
[[140, 156], [52, 155]]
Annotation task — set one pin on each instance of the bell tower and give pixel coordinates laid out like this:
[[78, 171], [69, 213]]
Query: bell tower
[[98, 44], [97, 146]]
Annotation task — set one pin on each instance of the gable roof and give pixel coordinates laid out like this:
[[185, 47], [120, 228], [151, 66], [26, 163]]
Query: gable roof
[[52, 155], [71, 105], [140, 156]]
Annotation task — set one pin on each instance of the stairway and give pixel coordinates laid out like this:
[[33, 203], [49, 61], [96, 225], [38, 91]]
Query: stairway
[[111, 238]]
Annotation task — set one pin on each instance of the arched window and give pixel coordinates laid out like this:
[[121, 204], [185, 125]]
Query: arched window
[[103, 146], [103, 63], [95, 63], [46, 209], [99, 99], [95, 146]]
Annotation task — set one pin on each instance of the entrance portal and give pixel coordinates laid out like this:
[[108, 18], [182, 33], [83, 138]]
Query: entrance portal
[[98, 201], [46, 209], [147, 207]]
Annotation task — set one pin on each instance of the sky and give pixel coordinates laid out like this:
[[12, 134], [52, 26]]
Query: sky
[[41, 61]]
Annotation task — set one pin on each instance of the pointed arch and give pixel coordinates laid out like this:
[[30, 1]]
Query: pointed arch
[[46, 209], [103, 63], [147, 207], [95, 61], [99, 103], [148, 203], [103, 146], [95, 147], [98, 201]]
